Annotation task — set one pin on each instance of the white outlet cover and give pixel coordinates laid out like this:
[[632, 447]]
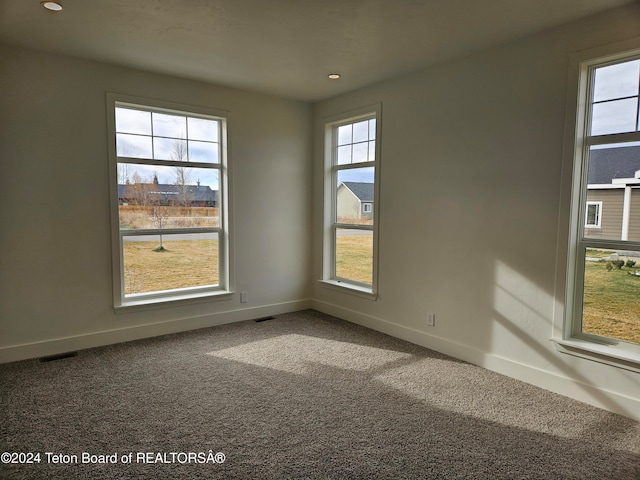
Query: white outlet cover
[[431, 319]]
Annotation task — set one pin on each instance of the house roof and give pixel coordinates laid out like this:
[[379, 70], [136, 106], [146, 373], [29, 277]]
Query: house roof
[[194, 193], [362, 190], [607, 164]]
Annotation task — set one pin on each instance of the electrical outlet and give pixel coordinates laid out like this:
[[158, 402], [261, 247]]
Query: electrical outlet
[[431, 319], [244, 297]]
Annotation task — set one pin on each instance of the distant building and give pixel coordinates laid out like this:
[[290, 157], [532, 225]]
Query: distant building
[[613, 194], [166, 194], [355, 201]]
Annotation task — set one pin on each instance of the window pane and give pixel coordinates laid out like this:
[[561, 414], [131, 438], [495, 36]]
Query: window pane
[[616, 81], [344, 155], [174, 126], [152, 197], [611, 207], [133, 146], [202, 129], [354, 190], [344, 134], [356, 143], [618, 116], [170, 149], [360, 152], [361, 131], [133, 121], [204, 152], [611, 305], [354, 255], [169, 262]]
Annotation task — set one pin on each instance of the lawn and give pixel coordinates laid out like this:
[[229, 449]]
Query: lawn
[[183, 263], [188, 263], [354, 257], [611, 302]]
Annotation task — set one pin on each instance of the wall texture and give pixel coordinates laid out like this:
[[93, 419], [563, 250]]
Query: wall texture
[[470, 210], [55, 265]]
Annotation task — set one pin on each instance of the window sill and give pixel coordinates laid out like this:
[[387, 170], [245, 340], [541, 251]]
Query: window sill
[[175, 301], [349, 288], [607, 354]]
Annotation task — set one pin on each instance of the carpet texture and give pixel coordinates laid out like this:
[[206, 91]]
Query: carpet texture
[[301, 396]]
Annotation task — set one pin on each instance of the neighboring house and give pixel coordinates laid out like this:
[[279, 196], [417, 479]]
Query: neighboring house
[[355, 201], [613, 194], [166, 194]]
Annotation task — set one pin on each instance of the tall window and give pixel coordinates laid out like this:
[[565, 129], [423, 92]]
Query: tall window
[[351, 192], [169, 198], [605, 308]]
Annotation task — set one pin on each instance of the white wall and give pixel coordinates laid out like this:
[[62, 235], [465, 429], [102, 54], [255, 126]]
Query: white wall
[[471, 168], [55, 270]]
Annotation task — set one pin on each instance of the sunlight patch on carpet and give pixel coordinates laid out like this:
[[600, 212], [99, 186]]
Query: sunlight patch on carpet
[[299, 353]]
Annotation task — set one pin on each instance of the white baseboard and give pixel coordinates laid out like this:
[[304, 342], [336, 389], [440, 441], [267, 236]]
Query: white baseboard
[[590, 394], [69, 344]]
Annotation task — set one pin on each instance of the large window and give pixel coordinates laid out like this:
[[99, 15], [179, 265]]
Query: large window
[[351, 193], [604, 284], [169, 193]]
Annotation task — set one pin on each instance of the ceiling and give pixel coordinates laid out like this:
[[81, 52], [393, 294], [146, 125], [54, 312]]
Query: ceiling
[[282, 47]]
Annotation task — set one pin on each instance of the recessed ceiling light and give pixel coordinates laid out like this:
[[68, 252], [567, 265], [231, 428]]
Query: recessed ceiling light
[[53, 6], [334, 76]]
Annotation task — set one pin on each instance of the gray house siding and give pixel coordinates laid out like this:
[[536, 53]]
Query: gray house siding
[[634, 221], [611, 214]]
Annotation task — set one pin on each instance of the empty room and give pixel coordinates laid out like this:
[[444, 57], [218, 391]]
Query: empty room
[[330, 239]]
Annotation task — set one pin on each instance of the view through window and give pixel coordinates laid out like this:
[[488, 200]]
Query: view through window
[[170, 202], [352, 189], [609, 242]]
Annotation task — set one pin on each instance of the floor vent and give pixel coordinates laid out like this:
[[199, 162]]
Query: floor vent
[[60, 356], [264, 319]]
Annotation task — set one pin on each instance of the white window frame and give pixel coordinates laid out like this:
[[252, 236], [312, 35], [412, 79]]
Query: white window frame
[[221, 291], [367, 207], [598, 223], [568, 335], [329, 279]]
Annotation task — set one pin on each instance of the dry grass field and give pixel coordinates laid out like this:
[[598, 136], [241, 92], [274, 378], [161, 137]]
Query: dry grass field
[[139, 217], [184, 263], [354, 257], [611, 302]]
